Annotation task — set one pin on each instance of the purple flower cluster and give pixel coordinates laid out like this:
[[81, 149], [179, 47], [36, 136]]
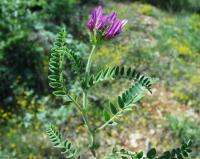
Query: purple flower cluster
[[108, 24]]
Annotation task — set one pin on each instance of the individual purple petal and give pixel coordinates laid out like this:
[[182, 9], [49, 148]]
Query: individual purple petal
[[102, 22], [91, 22], [124, 22], [110, 31], [95, 17], [115, 28], [99, 11], [119, 29], [112, 17]]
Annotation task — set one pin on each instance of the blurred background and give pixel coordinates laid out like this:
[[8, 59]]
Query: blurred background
[[161, 39]]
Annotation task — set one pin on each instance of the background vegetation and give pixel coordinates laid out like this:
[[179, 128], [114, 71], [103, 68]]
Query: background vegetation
[[162, 39]]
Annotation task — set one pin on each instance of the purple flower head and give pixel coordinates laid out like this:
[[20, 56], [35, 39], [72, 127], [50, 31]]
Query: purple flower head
[[109, 25]]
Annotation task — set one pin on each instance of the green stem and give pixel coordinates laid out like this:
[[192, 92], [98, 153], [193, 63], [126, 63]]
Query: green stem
[[89, 62], [84, 100], [107, 122], [84, 111], [76, 104], [111, 119], [89, 128]]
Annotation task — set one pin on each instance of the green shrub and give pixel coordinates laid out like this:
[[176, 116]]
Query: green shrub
[[27, 29], [177, 5]]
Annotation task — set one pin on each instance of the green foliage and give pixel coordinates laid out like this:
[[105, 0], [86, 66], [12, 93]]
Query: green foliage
[[125, 102], [116, 73], [151, 153], [27, 30], [56, 63], [178, 153], [20, 50], [61, 14], [132, 95], [66, 147], [56, 66], [177, 5], [76, 61], [124, 154]]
